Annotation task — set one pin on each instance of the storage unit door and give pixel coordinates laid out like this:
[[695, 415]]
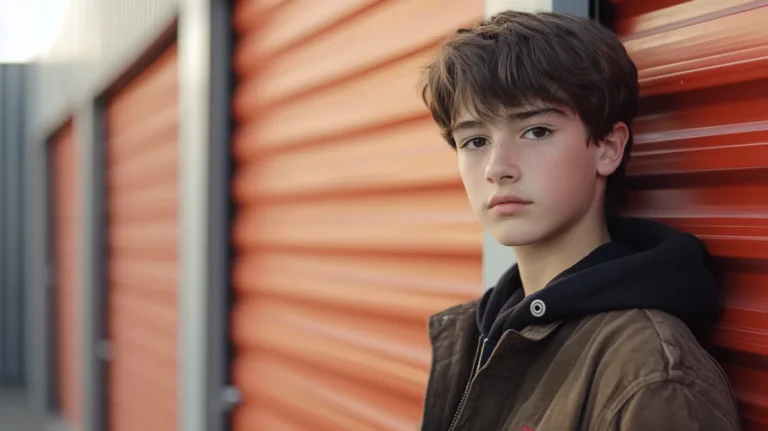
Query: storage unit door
[[351, 224], [66, 250], [142, 204], [700, 161]]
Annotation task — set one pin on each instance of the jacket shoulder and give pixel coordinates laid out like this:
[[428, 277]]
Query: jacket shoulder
[[652, 349], [460, 311], [659, 344], [671, 405], [458, 316]]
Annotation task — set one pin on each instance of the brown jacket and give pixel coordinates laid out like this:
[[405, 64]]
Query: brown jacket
[[638, 370]]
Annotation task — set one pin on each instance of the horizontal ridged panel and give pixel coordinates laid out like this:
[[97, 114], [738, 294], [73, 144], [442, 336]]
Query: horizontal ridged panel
[[397, 222], [700, 161], [142, 275], [388, 285], [66, 240], [290, 24], [698, 45], [287, 72], [392, 87], [397, 157], [352, 226]]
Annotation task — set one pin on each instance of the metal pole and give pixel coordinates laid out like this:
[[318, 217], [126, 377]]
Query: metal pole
[[204, 67]]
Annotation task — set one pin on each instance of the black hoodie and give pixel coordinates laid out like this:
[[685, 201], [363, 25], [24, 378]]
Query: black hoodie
[[647, 266]]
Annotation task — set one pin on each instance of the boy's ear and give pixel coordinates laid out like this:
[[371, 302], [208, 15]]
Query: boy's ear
[[610, 150]]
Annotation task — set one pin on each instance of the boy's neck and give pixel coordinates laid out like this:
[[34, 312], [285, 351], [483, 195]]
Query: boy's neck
[[541, 262]]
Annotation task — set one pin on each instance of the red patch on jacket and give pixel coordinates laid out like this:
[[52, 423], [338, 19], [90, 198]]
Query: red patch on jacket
[[525, 427]]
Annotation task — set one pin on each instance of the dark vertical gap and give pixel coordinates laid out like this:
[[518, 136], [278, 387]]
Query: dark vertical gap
[[11, 292], [33, 193], [12, 204], [603, 12], [4, 303], [100, 259], [51, 281], [5, 198], [579, 8], [22, 226], [222, 89]]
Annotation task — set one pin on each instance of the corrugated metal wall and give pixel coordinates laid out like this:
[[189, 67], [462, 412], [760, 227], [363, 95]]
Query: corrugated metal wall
[[66, 247], [701, 158], [142, 228], [13, 332], [352, 225]]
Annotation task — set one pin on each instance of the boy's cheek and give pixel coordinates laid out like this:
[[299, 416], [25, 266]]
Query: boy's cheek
[[477, 190]]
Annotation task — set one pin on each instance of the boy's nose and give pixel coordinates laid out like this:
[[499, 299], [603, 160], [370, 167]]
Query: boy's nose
[[502, 165]]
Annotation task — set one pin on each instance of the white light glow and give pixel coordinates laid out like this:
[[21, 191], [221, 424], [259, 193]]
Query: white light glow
[[28, 28]]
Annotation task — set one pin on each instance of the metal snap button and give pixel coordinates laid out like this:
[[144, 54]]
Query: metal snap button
[[538, 308]]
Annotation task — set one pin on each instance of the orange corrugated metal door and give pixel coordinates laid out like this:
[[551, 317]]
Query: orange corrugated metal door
[[701, 158], [352, 225], [66, 240], [142, 201]]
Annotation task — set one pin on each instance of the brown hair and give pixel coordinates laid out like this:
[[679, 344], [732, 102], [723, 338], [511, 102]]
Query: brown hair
[[517, 58]]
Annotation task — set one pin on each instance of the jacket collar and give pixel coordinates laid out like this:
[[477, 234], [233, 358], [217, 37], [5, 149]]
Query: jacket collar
[[539, 332], [443, 324]]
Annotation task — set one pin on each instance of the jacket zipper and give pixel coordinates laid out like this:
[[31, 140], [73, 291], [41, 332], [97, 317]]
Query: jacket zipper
[[475, 370]]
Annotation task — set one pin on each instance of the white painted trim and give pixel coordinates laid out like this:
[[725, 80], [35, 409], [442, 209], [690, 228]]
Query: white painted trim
[[58, 423], [204, 151], [495, 6], [194, 131], [496, 260]]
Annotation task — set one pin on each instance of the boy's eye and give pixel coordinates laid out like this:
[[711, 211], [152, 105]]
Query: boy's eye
[[537, 133], [474, 143]]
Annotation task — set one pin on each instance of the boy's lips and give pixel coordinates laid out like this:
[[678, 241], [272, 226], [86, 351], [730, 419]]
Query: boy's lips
[[506, 199], [507, 204]]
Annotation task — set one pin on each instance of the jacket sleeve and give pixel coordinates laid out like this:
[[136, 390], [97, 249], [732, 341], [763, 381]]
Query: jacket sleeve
[[674, 406]]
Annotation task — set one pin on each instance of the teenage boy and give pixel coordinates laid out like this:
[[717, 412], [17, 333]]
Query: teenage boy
[[593, 328]]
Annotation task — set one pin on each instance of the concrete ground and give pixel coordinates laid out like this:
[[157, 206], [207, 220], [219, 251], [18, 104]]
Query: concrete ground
[[15, 415]]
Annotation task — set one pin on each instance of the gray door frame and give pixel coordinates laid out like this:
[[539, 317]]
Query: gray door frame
[[205, 58]]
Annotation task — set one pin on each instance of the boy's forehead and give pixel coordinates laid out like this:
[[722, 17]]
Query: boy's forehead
[[526, 110]]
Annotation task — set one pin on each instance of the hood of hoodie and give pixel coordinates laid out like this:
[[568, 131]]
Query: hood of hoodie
[[646, 266]]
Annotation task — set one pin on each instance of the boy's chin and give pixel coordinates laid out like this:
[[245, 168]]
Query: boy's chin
[[513, 241], [515, 233]]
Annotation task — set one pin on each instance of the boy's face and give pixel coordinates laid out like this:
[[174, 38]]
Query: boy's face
[[532, 175]]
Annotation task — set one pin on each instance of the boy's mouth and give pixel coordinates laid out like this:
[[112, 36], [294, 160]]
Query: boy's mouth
[[507, 204], [506, 199]]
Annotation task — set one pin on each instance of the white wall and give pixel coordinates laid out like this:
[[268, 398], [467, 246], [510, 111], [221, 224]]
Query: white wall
[[495, 6], [98, 38]]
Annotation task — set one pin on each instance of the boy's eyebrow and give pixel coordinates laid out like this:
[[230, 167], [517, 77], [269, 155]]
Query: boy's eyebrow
[[468, 124], [515, 116], [529, 113]]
